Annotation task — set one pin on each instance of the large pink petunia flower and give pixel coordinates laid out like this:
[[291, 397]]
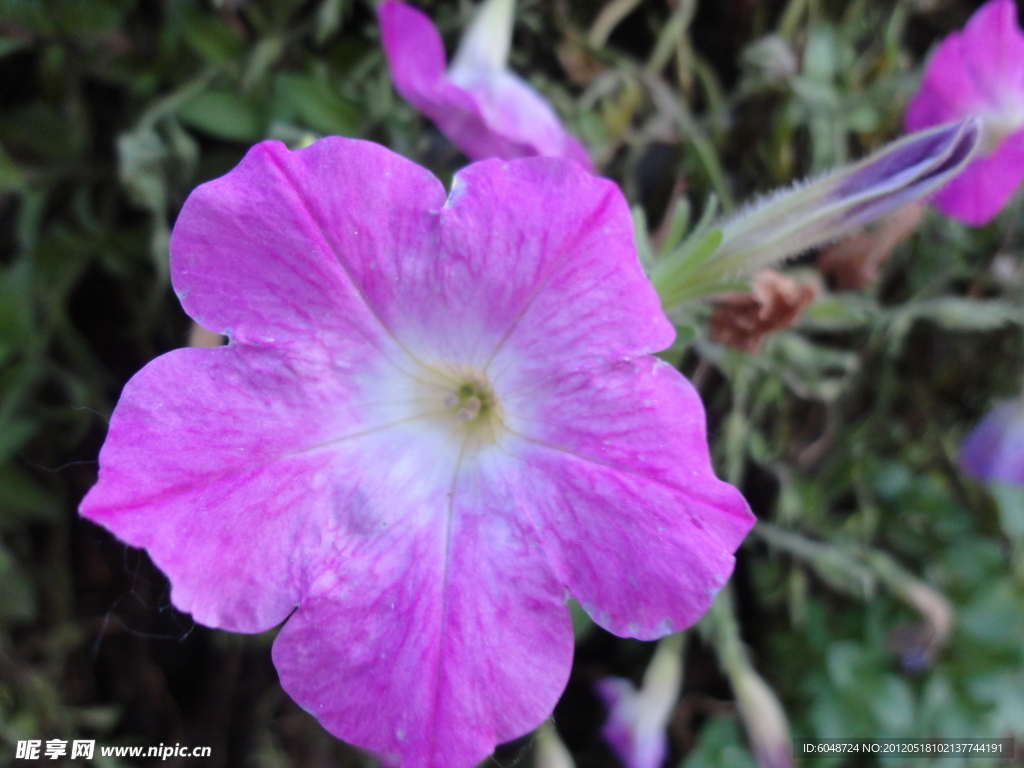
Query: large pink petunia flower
[[483, 107], [436, 419], [979, 72]]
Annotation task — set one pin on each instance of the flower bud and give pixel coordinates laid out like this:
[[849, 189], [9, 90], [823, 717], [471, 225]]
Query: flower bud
[[636, 723], [549, 751], [763, 718], [791, 222]]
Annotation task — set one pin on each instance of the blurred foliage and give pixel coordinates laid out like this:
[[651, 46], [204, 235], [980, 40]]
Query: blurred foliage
[[843, 431]]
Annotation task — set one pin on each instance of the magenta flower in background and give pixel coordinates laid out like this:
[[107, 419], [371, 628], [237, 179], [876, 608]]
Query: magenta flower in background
[[485, 109], [979, 72], [995, 448], [637, 719], [436, 419]]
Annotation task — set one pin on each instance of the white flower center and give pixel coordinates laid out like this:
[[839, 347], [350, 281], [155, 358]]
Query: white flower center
[[470, 409], [999, 124], [470, 402], [441, 408]]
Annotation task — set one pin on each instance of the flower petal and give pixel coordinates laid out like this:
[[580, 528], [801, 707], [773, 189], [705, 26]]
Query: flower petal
[[511, 109], [208, 465], [311, 364], [448, 636], [549, 273], [985, 185], [626, 489], [947, 92], [996, 58], [995, 448], [530, 247], [415, 52], [313, 238], [979, 71], [620, 729], [484, 110], [486, 41], [641, 530], [415, 55]]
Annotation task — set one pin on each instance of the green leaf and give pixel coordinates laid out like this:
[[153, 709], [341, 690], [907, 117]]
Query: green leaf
[[13, 436], [820, 60], [1010, 500], [954, 313], [88, 17], [264, 56], [1005, 693], [328, 19], [840, 312], [893, 706], [212, 39], [9, 45], [679, 223], [16, 325], [17, 603], [225, 115], [22, 498], [30, 15], [720, 745], [582, 624], [140, 161], [642, 238], [319, 106], [995, 616], [679, 277]]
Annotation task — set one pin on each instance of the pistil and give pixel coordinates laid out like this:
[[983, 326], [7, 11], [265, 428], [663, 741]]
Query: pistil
[[469, 402]]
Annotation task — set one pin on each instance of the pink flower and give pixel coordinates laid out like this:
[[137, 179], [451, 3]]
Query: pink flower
[[635, 728], [994, 451], [436, 419], [979, 71], [485, 109]]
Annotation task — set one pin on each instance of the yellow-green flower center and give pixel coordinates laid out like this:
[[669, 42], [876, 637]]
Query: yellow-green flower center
[[472, 403]]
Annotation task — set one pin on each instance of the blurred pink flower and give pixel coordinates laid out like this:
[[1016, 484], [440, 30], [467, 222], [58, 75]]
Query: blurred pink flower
[[435, 420], [483, 107], [635, 728], [980, 72], [995, 448]]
